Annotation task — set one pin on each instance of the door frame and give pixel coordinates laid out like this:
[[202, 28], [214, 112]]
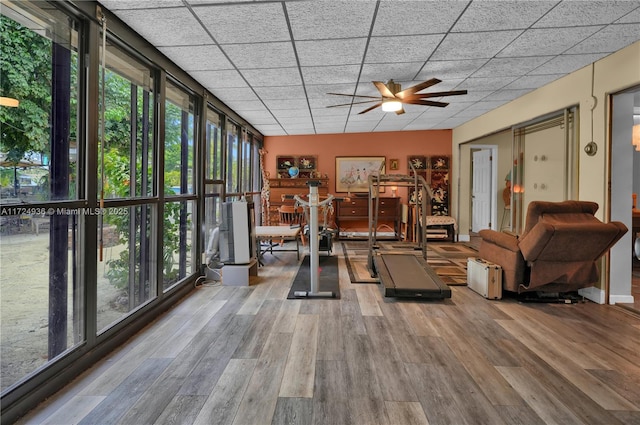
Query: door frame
[[494, 186], [618, 285]]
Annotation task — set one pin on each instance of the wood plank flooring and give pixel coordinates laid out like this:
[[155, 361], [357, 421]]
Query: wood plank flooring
[[249, 356]]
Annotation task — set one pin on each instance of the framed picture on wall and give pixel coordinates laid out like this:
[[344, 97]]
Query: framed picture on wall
[[352, 172], [394, 164], [419, 162]]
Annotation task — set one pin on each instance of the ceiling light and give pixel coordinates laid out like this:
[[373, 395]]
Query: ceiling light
[[9, 101], [391, 105]]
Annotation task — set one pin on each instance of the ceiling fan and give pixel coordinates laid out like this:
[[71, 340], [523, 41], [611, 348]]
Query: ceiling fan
[[393, 97]]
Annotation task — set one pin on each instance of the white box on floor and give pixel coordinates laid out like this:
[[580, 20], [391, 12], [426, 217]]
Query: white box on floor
[[485, 278], [239, 274]]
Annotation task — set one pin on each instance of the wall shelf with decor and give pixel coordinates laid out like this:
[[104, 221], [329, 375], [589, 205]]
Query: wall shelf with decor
[[297, 186], [306, 166]]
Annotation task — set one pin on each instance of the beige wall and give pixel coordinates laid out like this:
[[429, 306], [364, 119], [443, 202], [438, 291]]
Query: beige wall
[[611, 74], [589, 89]]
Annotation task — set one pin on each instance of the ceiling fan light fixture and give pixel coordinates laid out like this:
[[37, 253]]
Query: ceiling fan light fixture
[[391, 105]]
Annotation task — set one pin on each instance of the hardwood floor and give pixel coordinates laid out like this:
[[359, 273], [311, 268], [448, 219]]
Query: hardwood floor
[[247, 356]]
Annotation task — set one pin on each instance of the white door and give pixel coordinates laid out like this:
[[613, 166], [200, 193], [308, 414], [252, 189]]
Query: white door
[[481, 192]]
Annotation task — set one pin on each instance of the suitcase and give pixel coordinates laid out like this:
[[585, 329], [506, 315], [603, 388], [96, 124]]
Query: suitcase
[[485, 278]]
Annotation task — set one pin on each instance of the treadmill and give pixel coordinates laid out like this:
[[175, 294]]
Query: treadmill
[[403, 274]]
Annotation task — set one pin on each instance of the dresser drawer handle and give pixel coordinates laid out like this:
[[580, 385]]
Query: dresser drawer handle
[[353, 212]]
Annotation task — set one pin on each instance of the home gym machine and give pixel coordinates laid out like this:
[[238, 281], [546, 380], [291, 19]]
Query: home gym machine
[[402, 273], [314, 242]]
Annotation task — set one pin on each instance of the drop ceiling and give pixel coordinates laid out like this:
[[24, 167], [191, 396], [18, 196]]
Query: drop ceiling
[[273, 62]]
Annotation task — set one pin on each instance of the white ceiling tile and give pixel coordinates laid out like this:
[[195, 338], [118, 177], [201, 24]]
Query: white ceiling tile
[[261, 55], [631, 17], [275, 104], [247, 105], [272, 77], [322, 19], [507, 67], [330, 74], [532, 81], [609, 39], [330, 119], [271, 129], [501, 15], [259, 117], [473, 45], [197, 58], [244, 23], [507, 94], [450, 69], [577, 13], [486, 84], [280, 93], [550, 41], [487, 45], [324, 129], [219, 79], [404, 71], [166, 27], [565, 64], [482, 106], [137, 4], [235, 93], [410, 48], [416, 17], [315, 91], [291, 113], [331, 52]]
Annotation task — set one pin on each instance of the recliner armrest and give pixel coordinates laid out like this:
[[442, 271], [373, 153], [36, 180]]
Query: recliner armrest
[[501, 239]]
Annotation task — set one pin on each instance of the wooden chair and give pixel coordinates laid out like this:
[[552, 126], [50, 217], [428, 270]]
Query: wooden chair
[[292, 216]]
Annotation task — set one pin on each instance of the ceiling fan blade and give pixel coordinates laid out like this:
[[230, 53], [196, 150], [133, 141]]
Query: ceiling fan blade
[[354, 95], [353, 103], [400, 112], [425, 102], [411, 90], [441, 93], [383, 89], [370, 108]]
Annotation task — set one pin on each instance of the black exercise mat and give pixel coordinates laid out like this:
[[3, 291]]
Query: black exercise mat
[[328, 276]]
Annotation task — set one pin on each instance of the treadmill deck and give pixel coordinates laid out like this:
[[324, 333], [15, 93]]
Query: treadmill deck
[[408, 275]]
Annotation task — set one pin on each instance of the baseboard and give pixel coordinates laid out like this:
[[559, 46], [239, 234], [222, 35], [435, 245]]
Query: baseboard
[[621, 299], [464, 238], [594, 294]]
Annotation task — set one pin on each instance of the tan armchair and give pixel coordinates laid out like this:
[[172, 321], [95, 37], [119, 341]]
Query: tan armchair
[[558, 250]]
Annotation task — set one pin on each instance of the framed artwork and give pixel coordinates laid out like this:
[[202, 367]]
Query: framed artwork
[[439, 162], [352, 172], [419, 162], [394, 164]]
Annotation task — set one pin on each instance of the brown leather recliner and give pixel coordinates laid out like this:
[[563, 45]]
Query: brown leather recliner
[[558, 250]]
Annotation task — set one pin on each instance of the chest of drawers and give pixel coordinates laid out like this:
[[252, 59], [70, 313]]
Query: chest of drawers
[[357, 209]]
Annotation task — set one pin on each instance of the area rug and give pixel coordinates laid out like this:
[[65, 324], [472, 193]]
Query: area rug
[[448, 260], [328, 277]]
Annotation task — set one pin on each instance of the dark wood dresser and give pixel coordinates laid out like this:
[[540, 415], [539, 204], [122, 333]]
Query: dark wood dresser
[[357, 209]]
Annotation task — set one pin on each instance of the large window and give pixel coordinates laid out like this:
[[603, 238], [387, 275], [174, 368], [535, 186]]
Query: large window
[[126, 253], [41, 300], [179, 152], [213, 177], [233, 157], [100, 218]]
